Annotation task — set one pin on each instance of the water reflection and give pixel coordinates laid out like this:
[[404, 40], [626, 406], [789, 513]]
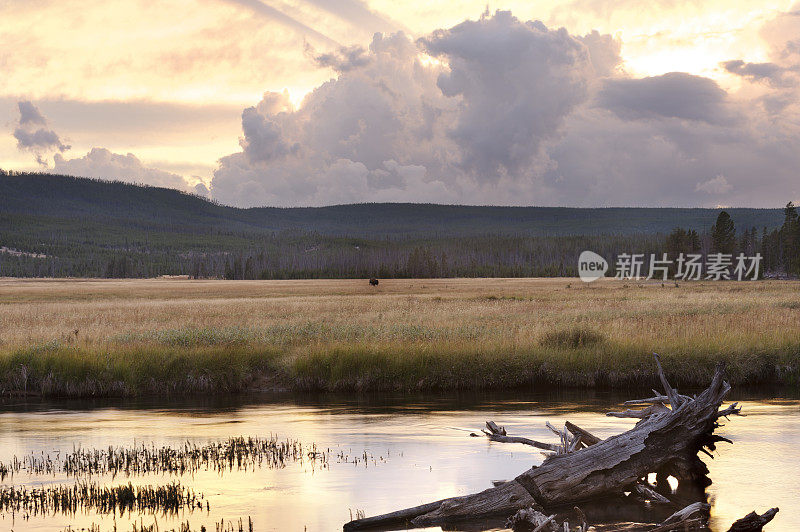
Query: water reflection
[[422, 438]]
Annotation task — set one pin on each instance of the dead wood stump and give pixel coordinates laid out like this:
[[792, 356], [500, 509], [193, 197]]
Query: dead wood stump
[[582, 467]]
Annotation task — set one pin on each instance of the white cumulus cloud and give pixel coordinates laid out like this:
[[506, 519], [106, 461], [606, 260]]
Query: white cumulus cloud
[[717, 185], [463, 114], [103, 164]]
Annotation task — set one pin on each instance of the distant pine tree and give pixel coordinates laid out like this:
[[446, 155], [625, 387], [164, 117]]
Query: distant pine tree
[[790, 236], [682, 241], [723, 234]]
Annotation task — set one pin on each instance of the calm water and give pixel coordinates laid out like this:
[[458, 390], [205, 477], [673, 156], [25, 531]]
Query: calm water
[[419, 449]]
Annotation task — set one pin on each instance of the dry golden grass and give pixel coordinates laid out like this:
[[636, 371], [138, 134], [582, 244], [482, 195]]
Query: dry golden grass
[[344, 333], [518, 311]]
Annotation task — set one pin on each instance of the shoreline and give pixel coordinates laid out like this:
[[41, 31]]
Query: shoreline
[[74, 373]]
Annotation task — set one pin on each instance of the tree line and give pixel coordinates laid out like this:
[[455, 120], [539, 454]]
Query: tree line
[[779, 248], [60, 226], [302, 255]]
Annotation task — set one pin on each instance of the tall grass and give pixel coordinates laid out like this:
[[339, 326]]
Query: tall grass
[[57, 370], [84, 338], [443, 367]]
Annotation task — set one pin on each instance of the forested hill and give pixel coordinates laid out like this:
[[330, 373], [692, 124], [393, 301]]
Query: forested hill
[[64, 226], [68, 198]]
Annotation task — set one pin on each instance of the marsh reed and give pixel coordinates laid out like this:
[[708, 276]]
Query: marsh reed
[[168, 499], [234, 454]]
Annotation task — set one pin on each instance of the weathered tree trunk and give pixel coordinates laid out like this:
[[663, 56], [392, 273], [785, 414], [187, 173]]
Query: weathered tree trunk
[[665, 441]]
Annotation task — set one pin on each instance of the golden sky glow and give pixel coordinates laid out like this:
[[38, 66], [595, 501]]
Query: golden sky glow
[[222, 55], [216, 51]]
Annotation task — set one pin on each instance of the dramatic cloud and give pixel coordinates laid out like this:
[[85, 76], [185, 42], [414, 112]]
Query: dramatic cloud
[[605, 159], [460, 114], [496, 110], [367, 133], [103, 164], [168, 82], [501, 111], [516, 81], [33, 135]]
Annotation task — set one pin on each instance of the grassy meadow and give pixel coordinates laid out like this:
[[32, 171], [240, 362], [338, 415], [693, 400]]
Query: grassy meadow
[[170, 336]]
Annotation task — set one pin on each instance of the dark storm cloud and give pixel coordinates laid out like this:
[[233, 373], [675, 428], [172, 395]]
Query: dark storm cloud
[[672, 95], [771, 73], [30, 115], [33, 135], [604, 159], [41, 138]]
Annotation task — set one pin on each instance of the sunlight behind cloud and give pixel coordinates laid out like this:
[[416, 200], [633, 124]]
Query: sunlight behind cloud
[[689, 36], [297, 94], [696, 46]]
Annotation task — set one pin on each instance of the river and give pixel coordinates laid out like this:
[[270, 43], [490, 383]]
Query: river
[[386, 452]]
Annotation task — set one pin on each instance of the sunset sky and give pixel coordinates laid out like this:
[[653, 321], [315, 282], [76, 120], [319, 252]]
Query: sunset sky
[[315, 102]]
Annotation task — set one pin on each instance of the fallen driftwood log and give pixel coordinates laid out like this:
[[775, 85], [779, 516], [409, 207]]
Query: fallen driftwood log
[[672, 429]]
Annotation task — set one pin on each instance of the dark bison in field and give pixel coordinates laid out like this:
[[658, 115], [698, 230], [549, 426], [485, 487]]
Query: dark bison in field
[[373, 282]]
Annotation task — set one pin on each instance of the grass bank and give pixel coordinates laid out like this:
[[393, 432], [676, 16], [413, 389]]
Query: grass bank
[[166, 337]]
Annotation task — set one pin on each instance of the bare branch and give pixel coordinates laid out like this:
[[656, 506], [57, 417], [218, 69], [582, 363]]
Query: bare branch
[[641, 414], [646, 492], [587, 437], [732, 410], [498, 434], [675, 400]]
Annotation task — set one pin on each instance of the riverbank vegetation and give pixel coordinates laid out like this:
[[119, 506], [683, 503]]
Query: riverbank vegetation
[[175, 336]]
